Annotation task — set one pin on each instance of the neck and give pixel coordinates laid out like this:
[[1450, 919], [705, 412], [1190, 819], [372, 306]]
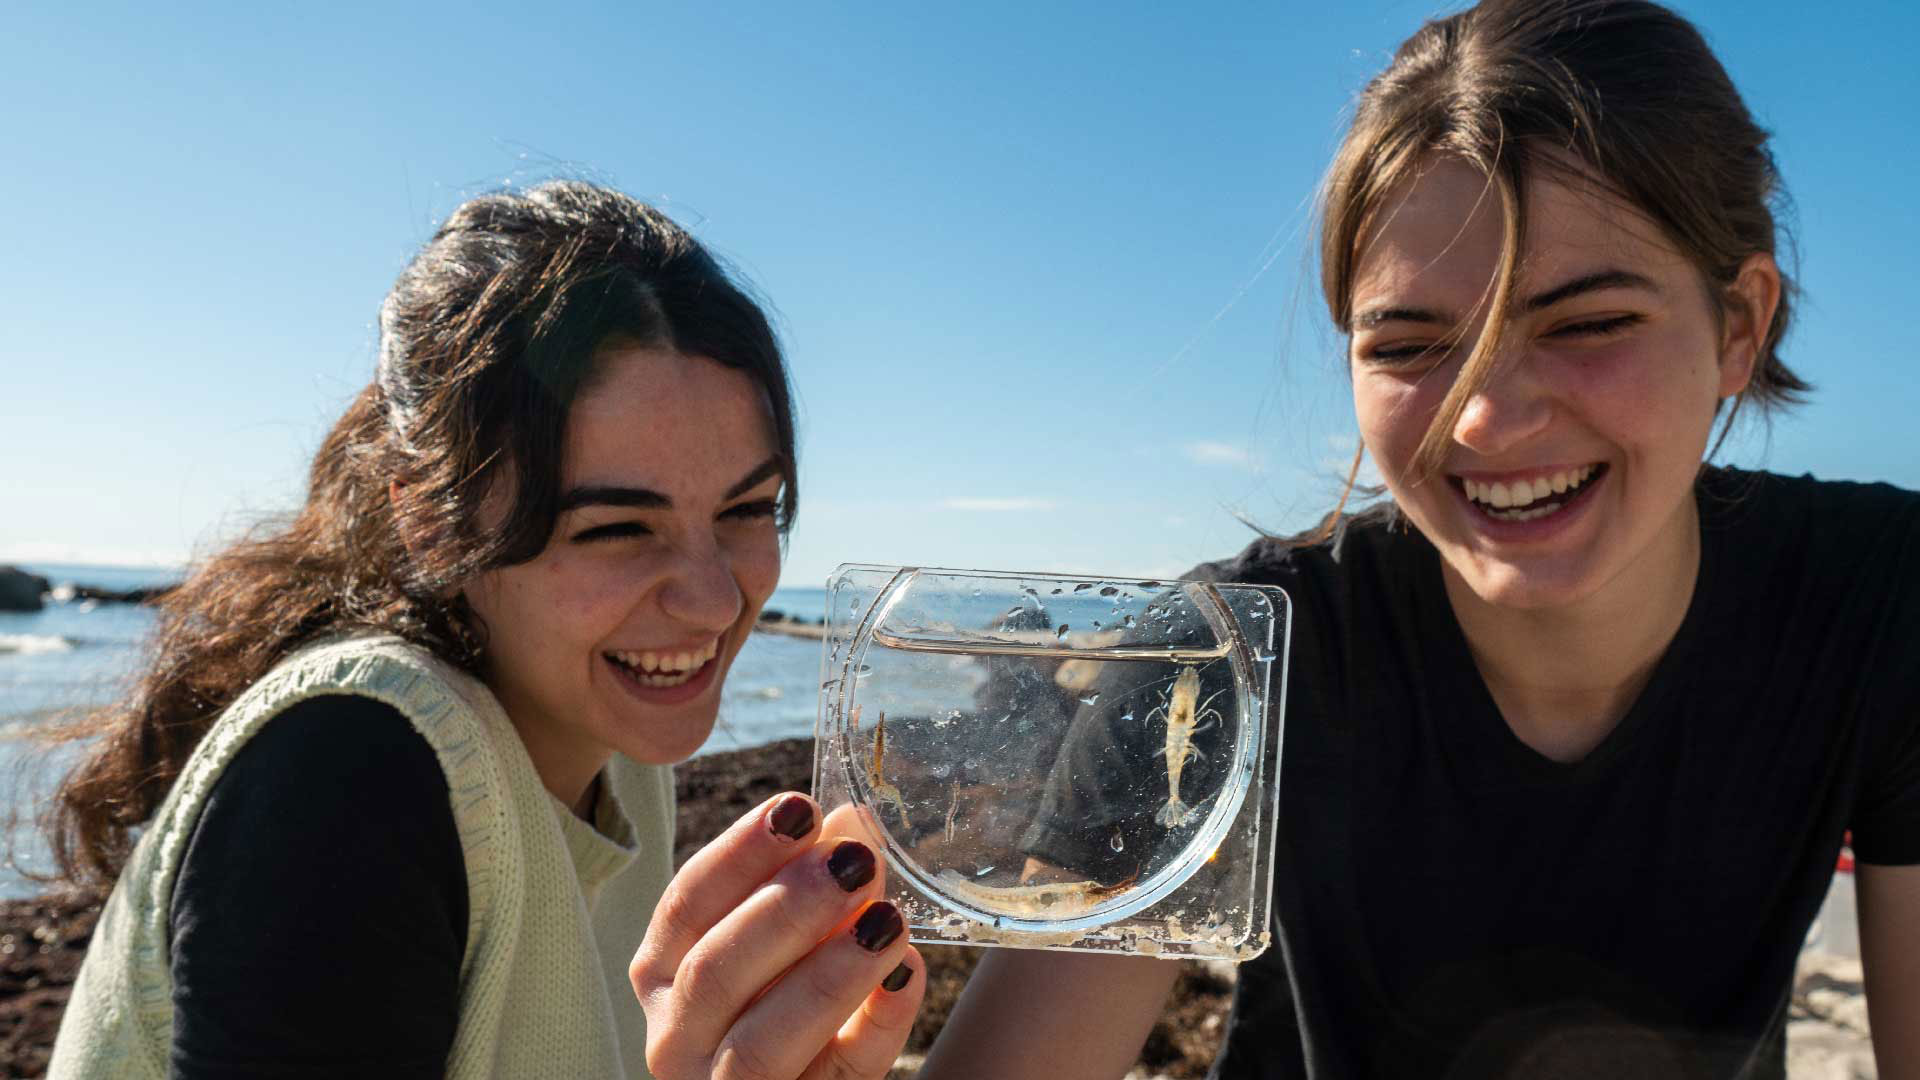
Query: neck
[[568, 769], [1564, 677]]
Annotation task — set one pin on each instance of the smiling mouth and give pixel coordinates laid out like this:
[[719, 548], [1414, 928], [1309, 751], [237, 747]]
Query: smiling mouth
[[663, 669], [1530, 500]]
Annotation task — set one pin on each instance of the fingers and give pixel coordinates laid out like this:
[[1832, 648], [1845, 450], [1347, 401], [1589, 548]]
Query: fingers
[[831, 1015], [716, 880], [868, 1044], [817, 904]]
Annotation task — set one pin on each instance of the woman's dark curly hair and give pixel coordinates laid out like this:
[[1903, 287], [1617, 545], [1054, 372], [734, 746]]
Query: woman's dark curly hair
[[486, 339]]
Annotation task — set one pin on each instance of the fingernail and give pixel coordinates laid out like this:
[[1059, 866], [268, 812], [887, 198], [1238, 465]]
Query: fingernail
[[851, 864], [792, 817], [896, 980], [877, 926]]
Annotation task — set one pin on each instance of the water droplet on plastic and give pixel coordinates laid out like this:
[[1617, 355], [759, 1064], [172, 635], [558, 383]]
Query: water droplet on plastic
[[1109, 591], [1127, 622], [1090, 699], [1055, 592], [1083, 586], [1116, 843], [865, 670], [983, 871], [1062, 632], [1149, 584]]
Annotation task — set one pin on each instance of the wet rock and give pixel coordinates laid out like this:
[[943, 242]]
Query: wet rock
[[21, 591]]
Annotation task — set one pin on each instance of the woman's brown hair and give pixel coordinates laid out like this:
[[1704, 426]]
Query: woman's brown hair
[[485, 340], [1625, 89]]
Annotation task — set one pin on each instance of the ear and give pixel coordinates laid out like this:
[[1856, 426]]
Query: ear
[[1750, 303]]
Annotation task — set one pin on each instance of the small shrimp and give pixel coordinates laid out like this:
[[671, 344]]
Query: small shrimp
[[1183, 711], [1053, 899], [876, 776]]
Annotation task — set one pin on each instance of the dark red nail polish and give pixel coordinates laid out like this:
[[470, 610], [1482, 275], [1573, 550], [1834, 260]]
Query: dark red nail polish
[[792, 817], [896, 980], [877, 926], [851, 864]]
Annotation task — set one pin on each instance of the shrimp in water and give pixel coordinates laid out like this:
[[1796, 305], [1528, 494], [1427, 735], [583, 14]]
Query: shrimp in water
[[1183, 711], [876, 777]]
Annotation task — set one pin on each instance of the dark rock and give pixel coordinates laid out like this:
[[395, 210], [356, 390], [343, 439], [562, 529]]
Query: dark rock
[[145, 595], [21, 591]]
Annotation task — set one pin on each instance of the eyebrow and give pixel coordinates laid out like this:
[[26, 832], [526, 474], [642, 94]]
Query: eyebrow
[[648, 499], [1604, 279]]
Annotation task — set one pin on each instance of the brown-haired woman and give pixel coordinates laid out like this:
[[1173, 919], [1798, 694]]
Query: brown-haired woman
[[399, 771], [1577, 723]]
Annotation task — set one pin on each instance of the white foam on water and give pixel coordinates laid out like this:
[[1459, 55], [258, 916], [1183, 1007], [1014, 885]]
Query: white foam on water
[[30, 644]]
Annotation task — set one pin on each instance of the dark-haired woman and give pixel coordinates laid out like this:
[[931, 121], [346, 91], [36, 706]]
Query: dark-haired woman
[[1577, 722], [399, 771]]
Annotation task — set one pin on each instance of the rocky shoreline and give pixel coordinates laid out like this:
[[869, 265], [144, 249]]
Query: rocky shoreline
[[42, 941]]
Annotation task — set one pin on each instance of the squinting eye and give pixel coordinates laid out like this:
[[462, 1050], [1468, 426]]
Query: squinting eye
[[760, 508], [1595, 327], [621, 530], [1406, 355]]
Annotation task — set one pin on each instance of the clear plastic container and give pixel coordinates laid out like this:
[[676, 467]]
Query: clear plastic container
[[1058, 762]]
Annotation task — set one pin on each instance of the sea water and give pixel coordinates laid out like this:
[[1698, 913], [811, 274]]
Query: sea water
[[78, 654]]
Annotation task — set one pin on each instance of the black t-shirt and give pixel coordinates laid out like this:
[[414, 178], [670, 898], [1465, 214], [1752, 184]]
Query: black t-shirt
[[319, 918], [1448, 902]]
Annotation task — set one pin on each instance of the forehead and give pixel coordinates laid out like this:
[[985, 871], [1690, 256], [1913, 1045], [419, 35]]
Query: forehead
[[1439, 233], [666, 418]]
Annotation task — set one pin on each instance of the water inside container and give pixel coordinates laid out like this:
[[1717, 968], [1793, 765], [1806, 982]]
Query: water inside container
[[1057, 762]]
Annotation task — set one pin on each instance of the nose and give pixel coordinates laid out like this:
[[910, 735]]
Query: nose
[[701, 591], [1512, 407]]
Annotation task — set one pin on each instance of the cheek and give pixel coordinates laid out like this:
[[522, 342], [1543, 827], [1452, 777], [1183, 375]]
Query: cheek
[[756, 568], [1393, 414], [1656, 393]]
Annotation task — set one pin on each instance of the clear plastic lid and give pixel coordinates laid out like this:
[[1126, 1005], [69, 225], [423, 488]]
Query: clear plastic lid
[[1059, 762]]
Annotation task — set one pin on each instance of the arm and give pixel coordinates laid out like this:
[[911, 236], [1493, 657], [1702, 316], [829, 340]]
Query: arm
[[1888, 902], [320, 914], [1052, 1016]]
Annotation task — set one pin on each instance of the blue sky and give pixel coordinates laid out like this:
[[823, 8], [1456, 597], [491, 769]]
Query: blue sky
[[1043, 274]]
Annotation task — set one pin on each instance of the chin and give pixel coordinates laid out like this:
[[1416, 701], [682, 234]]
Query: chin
[[1524, 588]]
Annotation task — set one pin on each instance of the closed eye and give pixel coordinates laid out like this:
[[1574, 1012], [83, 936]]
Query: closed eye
[[1596, 327], [1411, 355], [747, 511], [619, 530]]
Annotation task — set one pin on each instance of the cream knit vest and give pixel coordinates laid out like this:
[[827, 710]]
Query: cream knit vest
[[539, 995]]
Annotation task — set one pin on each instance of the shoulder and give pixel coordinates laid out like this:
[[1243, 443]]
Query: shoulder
[[331, 745], [1376, 541], [1738, 498], [327, 847], [1802, 527], [335, 781]]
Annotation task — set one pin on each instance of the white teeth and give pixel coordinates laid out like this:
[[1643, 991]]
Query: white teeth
[[664, 668], [1522, 493]]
